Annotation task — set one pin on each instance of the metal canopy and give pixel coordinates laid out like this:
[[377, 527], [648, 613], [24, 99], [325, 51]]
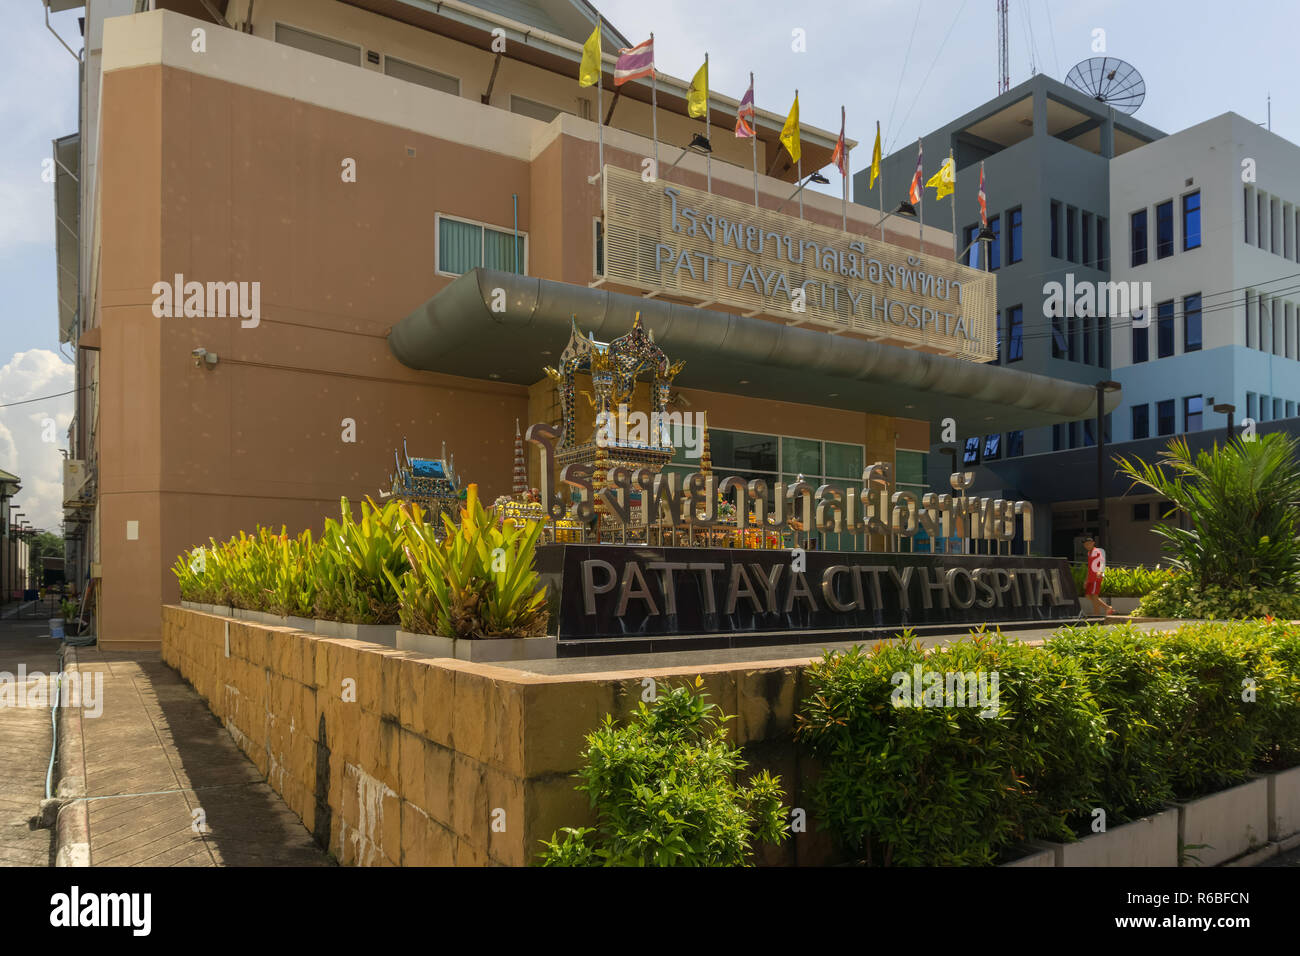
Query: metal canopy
[[458, 332]]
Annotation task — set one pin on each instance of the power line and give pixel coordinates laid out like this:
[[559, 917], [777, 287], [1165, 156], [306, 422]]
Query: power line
[[28, 401], [933, 63], [899, 89]]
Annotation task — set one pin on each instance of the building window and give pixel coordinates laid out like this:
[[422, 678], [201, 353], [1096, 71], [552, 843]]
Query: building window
[[1165, 329], [1192, 323], [1087, 340], [1056, 438], [1250, 405], [1056, 229], [598, 229], [315, 43], [401, 70], [1059, 345], [1074, 434], [1137, 237], [1015, 236], [1071, 252], [993, 446], [1141, 344], [971, 246], [1089, 432], [995, 247], [1103, 263], [465, 245], [1192, 220], [1165, 424], [1015, 444], [1016, 334], [1142, 511], [997, 331], [1193, 410], [1086, 242], [1072, 339], [1165, 229], [1141, 421]]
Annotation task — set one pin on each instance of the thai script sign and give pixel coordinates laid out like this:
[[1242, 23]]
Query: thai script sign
[[676, 240]]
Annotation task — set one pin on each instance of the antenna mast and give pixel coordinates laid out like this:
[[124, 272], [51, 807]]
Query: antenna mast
[[1004, 72]]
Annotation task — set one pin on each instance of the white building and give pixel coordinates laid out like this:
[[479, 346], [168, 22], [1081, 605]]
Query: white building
[[1210, 218]]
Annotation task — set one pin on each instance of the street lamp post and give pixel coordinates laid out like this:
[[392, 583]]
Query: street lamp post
[[1224, 408], [1102, 388]]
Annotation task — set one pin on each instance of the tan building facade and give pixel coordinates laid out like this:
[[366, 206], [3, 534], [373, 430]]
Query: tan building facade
[[349, 193]]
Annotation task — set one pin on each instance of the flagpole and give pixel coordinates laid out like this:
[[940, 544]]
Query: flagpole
[[920, 204], [952, 200], [881, 177], [844, 203], [600, 107], [654, 104], [753, 142], [799, 162], [708, 157]]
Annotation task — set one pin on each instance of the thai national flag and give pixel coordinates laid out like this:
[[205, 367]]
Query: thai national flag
[[745, 115], [984, 209], [914, 194], [635, 63]]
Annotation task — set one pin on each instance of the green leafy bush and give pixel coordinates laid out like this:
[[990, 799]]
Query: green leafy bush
[[356, 558], [663, 790], [946, 785], [1180, 597], [1123, 582]]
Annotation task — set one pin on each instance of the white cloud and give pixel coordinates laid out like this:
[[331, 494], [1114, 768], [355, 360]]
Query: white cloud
[[25, 432]]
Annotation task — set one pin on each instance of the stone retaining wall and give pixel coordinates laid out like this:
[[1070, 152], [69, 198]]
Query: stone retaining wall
[[444, 762]]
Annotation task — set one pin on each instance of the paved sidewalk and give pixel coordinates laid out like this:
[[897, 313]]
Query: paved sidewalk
[[25, 736], [159, 767]]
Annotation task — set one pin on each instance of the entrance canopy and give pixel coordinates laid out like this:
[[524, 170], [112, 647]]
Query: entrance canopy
[[498, 325]]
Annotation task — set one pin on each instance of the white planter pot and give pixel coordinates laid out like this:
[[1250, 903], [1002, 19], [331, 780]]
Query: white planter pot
[[1150, 841], [1036, 854], [191, 605], [301, 623], [1283, 803], [223, 610], [385, 634], [1123, 605], [510, 649], [1226, 824]]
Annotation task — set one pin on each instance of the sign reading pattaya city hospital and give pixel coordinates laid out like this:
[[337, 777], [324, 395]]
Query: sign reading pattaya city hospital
[[667, 238]]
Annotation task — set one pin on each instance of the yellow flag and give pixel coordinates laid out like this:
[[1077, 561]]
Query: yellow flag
[[589, 71], [790, 131], [875, 159], [697, 96], [944, 180]]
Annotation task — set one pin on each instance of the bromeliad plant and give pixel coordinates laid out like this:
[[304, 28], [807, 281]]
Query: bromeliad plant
[[476, 582], [355, 563]]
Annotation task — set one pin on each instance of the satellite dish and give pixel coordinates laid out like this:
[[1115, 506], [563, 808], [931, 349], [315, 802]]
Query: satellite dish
[[1110, 81]]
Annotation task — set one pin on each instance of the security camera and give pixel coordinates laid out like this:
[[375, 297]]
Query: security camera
[[202, 355]]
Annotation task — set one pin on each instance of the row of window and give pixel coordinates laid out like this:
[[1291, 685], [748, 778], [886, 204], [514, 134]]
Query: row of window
[[1166, 424], [1139, 230], [1271, 223], [1164, 330], [1080, 434], [1264, 409], [1066, 339], [1272, 325], [1080, 228], [1015, 248]]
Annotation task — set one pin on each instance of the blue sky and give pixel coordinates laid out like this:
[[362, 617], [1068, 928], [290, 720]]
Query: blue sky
[[912, 66]]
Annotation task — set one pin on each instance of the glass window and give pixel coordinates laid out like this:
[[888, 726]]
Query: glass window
[[1059, 348], [600, 248], [1056, 229], [1192, 323], [801, 456], [1015, 230], [1192, 220], [503, 251], [1087, 238], [1016, 337], [1072, 335], [1141, 421], [1089, 432], [1137, 237], [1071, 251], [1103, 263], [314, 43], [421, 75], [1165, 417], [1088, 336], [1141, 344], [743, 450], [995, 247], [1250, 404], [1015, 444], [463, 246], [993, 446], [843, 461], [1193, 409], [968, 234], [909, 468], [971, 452], [1142, 511], [1057, 443], [1165, 229], [997, 323], [1165, 329], [1074, 434]]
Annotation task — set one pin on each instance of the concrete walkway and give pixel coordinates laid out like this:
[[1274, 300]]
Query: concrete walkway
[[164, 782], [25, 736]]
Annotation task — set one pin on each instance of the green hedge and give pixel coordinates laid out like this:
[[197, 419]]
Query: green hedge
[[1108, 718], [1123, 582]]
